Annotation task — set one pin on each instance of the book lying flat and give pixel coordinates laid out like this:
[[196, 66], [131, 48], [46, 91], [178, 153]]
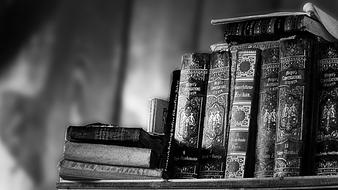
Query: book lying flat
[[74, 170], [110, 154]]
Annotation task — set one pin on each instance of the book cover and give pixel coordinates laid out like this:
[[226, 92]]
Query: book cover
[[294, 106], [114, 135], [326, 153], [110, 154], [158, 115], [271, 26], [167, 161], [214, 142], [267, 112], [190, 113], [75, 170], [240, 155]]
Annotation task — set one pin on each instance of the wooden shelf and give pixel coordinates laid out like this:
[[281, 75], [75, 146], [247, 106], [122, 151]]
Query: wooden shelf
[[304, 182]]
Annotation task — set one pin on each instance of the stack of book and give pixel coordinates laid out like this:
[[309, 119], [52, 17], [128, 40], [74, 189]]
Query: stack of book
[[104, 152], [263, 103]]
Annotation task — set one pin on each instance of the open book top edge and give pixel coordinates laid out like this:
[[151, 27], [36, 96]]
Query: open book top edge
[[253, 17]]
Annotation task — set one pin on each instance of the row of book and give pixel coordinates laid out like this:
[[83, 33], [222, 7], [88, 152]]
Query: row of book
[[263, 103]]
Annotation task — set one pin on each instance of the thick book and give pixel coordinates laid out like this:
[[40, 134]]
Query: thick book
[[326, 153], [271, 27], [114, 135], [157, 116], [167, 161], [75, 170], [294, 106], [214, 142], [240, 152], [190, 113], [110, 154], [267, 112]]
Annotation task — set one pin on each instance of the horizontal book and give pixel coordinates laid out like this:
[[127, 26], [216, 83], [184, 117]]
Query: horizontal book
[[73, 170], [110, 154], [272, 26], [104, 134]]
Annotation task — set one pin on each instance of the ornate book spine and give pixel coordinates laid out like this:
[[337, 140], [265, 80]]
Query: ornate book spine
[[190, 113], [239, 160], [82, 170], [214, 142], [170, 125], [326, 157], [110, 154], [294, 106], [267, 113]]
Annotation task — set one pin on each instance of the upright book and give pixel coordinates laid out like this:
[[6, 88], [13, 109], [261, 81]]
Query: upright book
[[267, 112], [158, 115], [167, 161], [294, 106], [214, 142], [190, 114], [326, 153], [239, 160]]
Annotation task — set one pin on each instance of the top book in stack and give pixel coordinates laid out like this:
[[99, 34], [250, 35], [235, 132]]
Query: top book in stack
[[274, 26]]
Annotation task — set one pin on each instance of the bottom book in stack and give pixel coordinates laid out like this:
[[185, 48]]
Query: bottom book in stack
[[101, 152]]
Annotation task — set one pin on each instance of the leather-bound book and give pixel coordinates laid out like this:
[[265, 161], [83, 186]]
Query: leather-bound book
[[294, 106], [326, 154], [267, 112], [214, 142], [190, 114], [167, 161], [242, 130]]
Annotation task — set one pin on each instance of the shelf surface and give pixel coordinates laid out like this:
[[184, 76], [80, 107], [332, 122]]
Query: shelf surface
[[304, 182]]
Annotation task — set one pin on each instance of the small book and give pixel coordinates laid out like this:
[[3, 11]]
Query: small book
[[104, 134], [157, 116], [110, 154], [79, 171]]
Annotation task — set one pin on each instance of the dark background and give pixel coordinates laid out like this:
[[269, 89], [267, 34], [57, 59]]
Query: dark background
[[72, 62]]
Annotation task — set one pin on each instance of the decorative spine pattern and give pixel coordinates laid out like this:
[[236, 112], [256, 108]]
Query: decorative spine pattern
[[214, 142], [239, 152], [190, 113]]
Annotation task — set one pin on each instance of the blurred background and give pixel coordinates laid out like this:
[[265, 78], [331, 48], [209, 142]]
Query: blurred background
[[80, 61]]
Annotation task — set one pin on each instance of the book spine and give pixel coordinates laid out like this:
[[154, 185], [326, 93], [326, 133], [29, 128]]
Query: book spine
[[326, 155], [214, 142], [158, 115], [267, 113], [190, 113], [102, 134], [294, 106], [110, 154], [170, 125], [243, 109], [81, 170]]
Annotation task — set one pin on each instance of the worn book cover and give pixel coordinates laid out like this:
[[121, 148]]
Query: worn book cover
[[294, 106], [190, 113], [110, 154], [214, 142], [114, 135], [77, 170], [267, 112], [326, 153], [157, 116], [240, 152]]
